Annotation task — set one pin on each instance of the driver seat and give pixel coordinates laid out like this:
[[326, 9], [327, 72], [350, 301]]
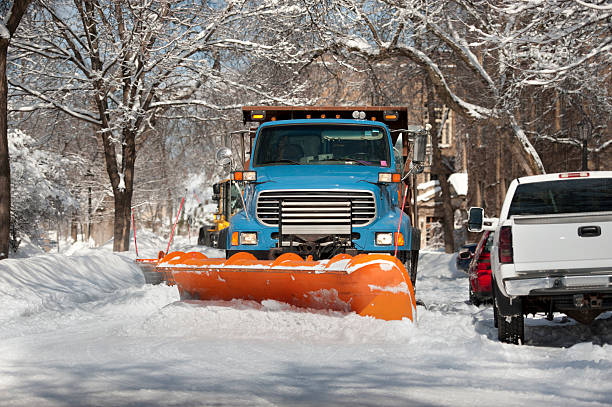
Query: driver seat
[[292, 152]]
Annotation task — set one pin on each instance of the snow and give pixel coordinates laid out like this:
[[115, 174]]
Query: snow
[[459, 181], [4, 32], [83, 329], [426, 196], [428, 184]]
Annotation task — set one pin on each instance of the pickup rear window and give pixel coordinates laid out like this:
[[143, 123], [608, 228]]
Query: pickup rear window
[[556, 197]]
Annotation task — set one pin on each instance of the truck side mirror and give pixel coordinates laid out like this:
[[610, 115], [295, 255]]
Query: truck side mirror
[[475, 219], [223, 156], [419, 153]]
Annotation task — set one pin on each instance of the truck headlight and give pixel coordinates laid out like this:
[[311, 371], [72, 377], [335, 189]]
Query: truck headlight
[[248, 238], [244, 176], [388, 177], [384, 239]]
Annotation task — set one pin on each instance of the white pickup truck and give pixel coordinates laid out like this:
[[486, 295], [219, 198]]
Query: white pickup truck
[[552, 249]]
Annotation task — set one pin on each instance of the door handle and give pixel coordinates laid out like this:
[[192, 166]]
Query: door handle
[[589, 231]]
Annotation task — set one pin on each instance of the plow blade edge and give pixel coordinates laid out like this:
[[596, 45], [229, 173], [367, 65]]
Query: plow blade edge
[[151, 274], [368, 284]]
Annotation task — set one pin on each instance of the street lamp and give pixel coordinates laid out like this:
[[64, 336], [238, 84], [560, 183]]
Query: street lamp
[[584, 131], [89, 179]]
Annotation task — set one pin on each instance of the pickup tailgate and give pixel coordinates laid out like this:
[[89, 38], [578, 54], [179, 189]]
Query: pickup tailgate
[[578, 243]]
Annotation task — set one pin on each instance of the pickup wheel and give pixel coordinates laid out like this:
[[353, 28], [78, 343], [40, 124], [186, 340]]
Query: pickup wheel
[[495, 324], [510, 329]]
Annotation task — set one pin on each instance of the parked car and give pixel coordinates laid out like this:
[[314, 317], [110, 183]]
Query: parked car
[[464, 256], [551, 249], [479, 271]]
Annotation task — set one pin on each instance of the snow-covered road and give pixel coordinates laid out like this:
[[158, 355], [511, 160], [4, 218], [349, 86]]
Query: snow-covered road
[[85, 330]]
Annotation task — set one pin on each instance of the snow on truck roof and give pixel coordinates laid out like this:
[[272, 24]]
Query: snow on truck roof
[[564, 176]]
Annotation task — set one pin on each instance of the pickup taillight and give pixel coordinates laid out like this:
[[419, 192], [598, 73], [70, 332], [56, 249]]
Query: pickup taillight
[[505, 245]]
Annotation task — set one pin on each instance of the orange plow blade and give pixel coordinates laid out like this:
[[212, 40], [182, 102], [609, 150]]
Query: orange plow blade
[[369, 284], [151, 274]]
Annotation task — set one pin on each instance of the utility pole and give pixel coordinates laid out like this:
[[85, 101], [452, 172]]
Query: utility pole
[[584, 131]]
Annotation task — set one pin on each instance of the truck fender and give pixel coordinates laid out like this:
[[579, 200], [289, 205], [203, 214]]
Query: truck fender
[[506, 306]]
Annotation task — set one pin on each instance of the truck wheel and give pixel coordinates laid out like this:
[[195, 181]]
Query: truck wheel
[[222, 242], [510, 329], [414, 262], [473, 298], [493, 302], [495, 323], [203, 236]]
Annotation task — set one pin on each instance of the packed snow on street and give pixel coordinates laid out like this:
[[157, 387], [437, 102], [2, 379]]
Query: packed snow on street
[[81, 328]]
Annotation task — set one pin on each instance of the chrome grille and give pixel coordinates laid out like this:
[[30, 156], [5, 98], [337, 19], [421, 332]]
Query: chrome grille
[[318, 210]]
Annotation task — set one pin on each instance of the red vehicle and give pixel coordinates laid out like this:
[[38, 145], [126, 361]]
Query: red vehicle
[[479, 271]]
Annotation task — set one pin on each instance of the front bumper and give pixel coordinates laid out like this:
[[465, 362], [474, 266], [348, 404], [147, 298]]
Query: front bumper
[[365, 242], [558, 284], [403, 255]]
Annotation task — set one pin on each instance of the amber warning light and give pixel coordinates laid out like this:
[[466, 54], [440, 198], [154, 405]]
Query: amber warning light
[[391, 116], [258, 115]]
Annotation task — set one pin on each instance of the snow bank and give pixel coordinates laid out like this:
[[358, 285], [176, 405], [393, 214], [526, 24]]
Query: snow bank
[[55, 281]]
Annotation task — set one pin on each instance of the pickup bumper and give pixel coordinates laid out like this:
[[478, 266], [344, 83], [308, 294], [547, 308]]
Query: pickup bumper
[[558, 285]]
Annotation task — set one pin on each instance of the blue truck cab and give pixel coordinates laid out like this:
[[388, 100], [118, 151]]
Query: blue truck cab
[[323, 186]]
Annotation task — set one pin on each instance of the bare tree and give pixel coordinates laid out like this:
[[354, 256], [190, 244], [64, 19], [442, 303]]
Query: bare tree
[[441, 171], [8, 26], [125, 64], [502, 49]]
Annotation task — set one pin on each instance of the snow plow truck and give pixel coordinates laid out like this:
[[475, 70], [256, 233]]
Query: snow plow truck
[[324, 222]]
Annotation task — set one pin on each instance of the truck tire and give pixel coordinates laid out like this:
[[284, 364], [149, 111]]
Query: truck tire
[[203, 236], [510, 329], [414, 262], [493, 302], [495, 323], [222, 242], [474, 300]]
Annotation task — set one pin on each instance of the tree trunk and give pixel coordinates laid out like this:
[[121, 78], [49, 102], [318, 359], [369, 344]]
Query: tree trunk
[[74, 230], [122, 184], [122, 225], [438, 168], [15, 13], [5, 169]]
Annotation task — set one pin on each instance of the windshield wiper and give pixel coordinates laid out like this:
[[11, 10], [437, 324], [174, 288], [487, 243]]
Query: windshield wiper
[[353, 160], [282, 161]]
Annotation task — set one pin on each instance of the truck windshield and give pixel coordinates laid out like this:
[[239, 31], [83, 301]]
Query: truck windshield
[[334, 144], [556, 197]]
